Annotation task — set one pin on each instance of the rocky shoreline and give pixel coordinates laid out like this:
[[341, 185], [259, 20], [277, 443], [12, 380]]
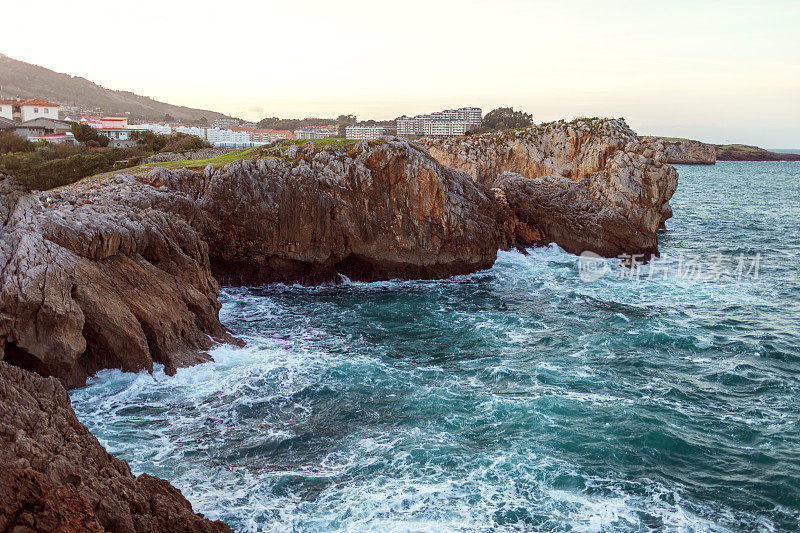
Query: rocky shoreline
[[123, 271]]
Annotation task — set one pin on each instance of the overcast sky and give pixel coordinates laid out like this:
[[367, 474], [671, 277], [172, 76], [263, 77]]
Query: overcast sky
[[717, 71]]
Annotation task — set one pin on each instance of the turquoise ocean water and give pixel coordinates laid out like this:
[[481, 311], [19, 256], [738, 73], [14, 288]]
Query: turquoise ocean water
[[520, 398]]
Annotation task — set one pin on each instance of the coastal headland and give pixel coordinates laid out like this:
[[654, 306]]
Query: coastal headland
[[123, 270]]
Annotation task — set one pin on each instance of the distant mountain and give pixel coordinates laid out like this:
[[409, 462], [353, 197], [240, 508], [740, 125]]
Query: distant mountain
[[20, 79]]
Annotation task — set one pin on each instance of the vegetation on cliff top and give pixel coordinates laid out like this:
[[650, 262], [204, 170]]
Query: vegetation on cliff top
[[504, 118], [216, 162], [43, 166]]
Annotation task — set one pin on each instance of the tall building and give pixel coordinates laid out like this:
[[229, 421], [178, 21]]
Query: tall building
[[365, 132], [447, 123]]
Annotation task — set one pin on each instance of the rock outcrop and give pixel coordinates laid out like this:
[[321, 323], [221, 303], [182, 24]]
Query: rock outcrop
[[103, 276], [587, 185], [55, 475], [686, 152], [119, 272]]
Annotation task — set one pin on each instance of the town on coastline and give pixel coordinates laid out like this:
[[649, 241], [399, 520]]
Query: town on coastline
[[39, 120]]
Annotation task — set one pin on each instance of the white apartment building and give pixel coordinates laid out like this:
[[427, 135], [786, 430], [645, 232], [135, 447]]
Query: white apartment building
[[447, 123], [218, 136], [25, 110], [365, 132], [197, 131], [160, 129], [315, 133]]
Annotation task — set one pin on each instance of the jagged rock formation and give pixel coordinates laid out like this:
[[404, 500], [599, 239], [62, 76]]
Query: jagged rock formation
[[119, 272], [109, 276], [688, 152], [588, 185], [55, 475], [370, 212]]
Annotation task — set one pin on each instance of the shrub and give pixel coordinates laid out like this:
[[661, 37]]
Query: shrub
[[56, 165], [11, 142]]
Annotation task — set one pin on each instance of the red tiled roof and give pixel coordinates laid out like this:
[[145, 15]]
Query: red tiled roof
[[40, 103], [33, 101]]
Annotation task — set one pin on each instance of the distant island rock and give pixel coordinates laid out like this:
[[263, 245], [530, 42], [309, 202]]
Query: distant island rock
[[743, 152], [689, 152]]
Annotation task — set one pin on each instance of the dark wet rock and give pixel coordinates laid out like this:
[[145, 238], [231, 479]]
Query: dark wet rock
[[55, 475]]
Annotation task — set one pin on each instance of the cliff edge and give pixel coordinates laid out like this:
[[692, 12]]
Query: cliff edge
[[587, 185], [122, 271]]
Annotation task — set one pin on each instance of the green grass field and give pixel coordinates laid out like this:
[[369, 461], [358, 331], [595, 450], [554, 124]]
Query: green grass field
[[216, 162], [739, 147]]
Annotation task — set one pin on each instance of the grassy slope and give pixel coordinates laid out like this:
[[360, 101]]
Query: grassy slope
[[216, 162]]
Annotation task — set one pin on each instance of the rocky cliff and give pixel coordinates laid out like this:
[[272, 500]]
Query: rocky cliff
[[587, 185], [688, 152], [119, 272], [122, 271], [55, 475]]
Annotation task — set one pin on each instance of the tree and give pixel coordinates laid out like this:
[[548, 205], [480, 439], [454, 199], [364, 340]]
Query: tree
[[169, 118], [85, 134], [504, 118], [344, 121], [153, 141]]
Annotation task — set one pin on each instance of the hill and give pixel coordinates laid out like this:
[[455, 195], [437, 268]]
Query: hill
[[24, 80], [745, 152]]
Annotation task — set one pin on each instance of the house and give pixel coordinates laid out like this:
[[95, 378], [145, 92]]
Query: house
[[40, 127], [224, 123], [119, 132], [26, 110], [268, 135]]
